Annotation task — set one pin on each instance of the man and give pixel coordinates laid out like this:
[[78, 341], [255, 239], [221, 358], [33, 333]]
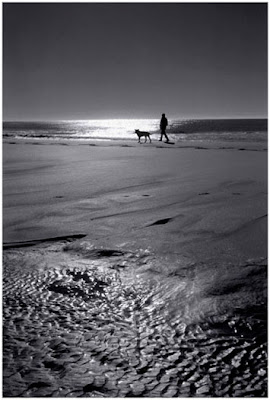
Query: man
[[163, 125]]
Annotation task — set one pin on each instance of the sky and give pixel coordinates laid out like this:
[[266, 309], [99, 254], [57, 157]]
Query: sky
[[134, 60]]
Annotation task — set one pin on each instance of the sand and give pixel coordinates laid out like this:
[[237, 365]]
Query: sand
[[134, 270]]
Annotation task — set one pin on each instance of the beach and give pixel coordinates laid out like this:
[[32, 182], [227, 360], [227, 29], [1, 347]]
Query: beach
[[134, 270]]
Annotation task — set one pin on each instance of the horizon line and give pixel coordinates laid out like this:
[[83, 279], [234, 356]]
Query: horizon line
[[125, 118]]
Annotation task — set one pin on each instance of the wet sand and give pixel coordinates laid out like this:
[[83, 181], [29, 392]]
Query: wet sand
[[134, 270]]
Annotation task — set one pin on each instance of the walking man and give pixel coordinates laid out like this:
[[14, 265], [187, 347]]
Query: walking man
[[163, 125]]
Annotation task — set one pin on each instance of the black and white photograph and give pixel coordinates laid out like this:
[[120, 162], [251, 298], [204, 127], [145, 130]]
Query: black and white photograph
[[134, 199]]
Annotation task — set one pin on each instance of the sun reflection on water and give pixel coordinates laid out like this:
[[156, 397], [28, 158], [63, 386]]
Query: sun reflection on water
[[115, 128]]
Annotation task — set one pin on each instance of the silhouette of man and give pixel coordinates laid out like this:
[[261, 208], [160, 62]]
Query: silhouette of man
[[163, 125]]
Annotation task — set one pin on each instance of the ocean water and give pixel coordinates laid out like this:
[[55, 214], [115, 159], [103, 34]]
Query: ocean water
[[252, 130]]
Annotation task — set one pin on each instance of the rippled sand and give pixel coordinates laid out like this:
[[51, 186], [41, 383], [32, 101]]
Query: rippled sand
[[98, 323], [134, 271]]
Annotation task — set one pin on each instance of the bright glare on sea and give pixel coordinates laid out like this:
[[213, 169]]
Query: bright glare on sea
[[124, 129]]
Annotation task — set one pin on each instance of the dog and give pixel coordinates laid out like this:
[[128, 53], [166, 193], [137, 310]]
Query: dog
[[145, 134]]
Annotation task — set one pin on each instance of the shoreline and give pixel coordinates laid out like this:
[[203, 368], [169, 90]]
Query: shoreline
[[193, 144]]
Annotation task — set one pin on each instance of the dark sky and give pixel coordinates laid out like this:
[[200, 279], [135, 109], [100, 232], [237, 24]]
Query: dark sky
[[134, 60]]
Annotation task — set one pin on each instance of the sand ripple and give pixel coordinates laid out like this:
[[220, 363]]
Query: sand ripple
[[86, 322]]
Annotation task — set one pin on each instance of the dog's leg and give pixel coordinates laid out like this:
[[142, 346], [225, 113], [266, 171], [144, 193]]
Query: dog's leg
[[150, 139]]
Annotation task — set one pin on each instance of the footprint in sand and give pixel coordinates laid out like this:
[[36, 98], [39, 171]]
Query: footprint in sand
[[161, 221]]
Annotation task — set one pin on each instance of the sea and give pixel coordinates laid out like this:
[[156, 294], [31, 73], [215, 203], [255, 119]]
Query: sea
[[251, 130]]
